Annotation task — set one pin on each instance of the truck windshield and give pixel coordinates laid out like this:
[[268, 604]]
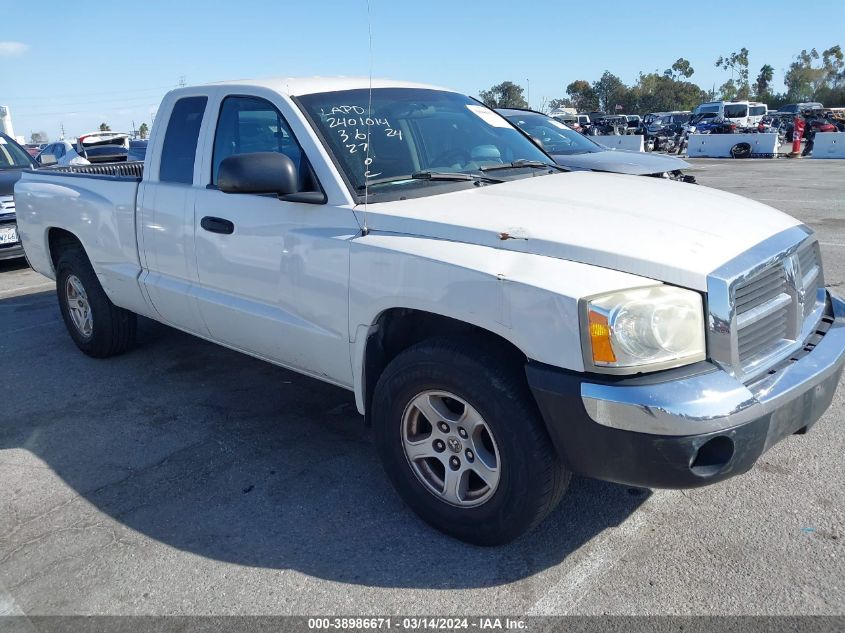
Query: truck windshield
[[11, 155], [414, 131]]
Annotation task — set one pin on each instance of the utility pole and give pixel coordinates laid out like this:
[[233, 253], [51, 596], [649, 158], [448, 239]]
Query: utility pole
[[62, 126], [134, 131], [182, 83], [529, 93]]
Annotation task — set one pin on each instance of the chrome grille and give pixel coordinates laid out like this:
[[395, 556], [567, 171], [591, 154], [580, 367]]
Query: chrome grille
[[763, 304], [809, 268], [760, 289], [762, 312]]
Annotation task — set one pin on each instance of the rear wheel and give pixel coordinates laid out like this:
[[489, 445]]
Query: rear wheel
[[462, 441], [97, 326]]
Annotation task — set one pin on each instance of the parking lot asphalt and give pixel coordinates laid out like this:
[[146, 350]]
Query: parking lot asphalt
[[183, 478]]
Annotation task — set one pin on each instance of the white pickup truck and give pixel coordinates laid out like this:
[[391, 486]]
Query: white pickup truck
[[502, 323]]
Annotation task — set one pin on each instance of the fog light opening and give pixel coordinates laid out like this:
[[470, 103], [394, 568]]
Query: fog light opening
[[712, 456]]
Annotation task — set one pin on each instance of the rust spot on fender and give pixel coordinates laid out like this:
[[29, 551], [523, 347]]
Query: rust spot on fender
[[513, 234]]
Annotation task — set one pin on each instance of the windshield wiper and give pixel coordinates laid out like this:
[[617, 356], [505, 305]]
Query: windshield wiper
[[534, 164], [433, 176], [444, 175]]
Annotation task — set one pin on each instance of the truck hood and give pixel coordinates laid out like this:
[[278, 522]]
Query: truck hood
[[660, 229], [622, 162]]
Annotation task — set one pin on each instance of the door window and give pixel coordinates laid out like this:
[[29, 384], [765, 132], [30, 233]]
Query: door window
[[250, 124]]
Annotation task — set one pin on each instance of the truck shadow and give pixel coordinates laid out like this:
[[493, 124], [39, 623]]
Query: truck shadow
[[226, 457]]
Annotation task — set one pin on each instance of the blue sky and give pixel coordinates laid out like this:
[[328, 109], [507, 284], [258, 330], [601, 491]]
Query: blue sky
[[83, 62]]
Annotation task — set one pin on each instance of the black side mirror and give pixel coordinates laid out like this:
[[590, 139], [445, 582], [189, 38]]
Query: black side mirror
[[257, 172]]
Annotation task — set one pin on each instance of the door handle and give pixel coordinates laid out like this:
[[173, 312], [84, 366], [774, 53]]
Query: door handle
[[217, 225]]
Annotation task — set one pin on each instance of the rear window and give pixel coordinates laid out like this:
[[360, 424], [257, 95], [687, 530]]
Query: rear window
[[735, 110], [180, 141], [757, 110], [709, 108]]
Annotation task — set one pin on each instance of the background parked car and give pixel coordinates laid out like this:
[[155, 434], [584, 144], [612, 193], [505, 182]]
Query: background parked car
[[659, 122], [97, 147], [744, 114], [798, 108], [635, 123], [575, 151], [33, 149], [13, 160]]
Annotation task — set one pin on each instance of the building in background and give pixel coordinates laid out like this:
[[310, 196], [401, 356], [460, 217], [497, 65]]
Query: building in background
[[6, 121]]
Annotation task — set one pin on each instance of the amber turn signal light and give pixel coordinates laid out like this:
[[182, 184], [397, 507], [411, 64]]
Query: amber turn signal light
[[600, 339]]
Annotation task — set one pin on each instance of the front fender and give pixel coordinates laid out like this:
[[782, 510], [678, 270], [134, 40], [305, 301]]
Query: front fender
[[529, 300]]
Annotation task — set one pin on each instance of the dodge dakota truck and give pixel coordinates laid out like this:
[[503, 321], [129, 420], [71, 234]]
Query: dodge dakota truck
[[501, 322]]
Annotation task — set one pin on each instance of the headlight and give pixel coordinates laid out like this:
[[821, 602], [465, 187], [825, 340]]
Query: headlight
[[645, 329]]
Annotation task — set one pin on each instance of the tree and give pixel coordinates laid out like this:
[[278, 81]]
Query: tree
[[143, 131], [764, 80], [610, 91], [554, 104], [681, 68], [582, 96], [737, 63], [728, 90], [806, 81], [834, 66], [654, 92], [37, 138], [504, 95], [104, 127]]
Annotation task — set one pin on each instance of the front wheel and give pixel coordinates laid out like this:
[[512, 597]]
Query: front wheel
[[462, 441]]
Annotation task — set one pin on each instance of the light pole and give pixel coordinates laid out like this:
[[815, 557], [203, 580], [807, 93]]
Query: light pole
[[528, 81]]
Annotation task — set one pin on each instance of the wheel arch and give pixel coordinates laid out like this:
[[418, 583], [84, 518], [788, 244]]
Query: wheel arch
[[58, 240], [396, 329]]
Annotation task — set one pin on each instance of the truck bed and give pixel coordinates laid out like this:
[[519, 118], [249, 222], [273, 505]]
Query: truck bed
[[95, 203], [125, 171]]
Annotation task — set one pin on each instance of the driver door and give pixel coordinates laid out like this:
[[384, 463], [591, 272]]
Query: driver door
[[273, 275]]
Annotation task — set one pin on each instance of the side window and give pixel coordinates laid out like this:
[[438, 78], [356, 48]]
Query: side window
[[180, 141], [59, 150], [250, 124]]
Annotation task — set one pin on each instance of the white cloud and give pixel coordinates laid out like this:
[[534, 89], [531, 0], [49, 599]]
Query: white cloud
[[12, 49]]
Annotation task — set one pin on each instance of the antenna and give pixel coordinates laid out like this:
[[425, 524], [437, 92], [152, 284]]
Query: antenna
[[367, 159]]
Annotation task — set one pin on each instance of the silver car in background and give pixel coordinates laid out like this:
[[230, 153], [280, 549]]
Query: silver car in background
[[576, 151]]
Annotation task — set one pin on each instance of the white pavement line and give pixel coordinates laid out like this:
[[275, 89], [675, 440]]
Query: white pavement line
[[832, 244], [608, 548], [23, 289]]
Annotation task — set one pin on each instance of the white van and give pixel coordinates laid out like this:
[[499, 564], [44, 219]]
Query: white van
[[742, 113]]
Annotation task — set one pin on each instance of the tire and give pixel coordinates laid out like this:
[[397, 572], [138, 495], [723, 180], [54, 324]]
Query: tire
[[530, 478], [110, 330], [741, 150]]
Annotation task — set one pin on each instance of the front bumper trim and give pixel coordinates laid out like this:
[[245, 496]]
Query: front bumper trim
[[715, 401]]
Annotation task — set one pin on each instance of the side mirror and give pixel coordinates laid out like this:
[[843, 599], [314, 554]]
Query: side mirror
[[257, 172], [47, 159]]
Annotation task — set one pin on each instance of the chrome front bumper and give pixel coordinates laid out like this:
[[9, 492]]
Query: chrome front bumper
[[796, 392]]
